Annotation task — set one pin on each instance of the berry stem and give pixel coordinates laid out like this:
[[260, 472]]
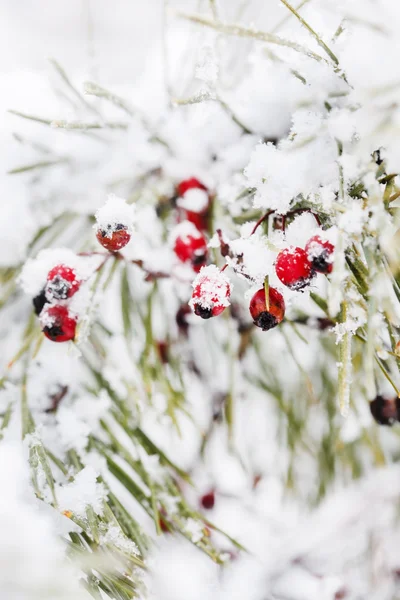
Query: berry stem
[[266, 289], [261, 220]]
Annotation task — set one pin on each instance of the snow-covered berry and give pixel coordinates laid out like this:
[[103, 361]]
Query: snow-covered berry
[[113, 240], [208, 500], [189, 184], [211, 292], [385, 410], [62, 283], [263, 317], [57, 324], [194, 202], [320, 254], [190, 245], [293, 268], [114, 224], [39, 301]]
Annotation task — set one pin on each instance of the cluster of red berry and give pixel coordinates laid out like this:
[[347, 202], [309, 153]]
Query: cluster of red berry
[[51, 304], [194, 203], [295, 267]]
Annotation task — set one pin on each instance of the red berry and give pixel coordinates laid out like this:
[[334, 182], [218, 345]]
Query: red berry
[[319, 253], [62, 283], [211, 292], [57, 325], [194, 207], [113, 238], [208, 500], [263, 318], [191, 246], [189, 184], [293, 268]]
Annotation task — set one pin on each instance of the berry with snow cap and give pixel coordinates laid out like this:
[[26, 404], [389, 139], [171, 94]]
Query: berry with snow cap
[[267, 317], [62, 283], [113, 239], [211, 292], [293, 268], [189, 184], [320, 254], [114, 224], [194, 201], [57, 324], [190, 245]]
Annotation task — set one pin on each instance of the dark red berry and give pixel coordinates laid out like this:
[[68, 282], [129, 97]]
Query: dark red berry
[[163, 351], [211, 292], [181, 318], [208, 500], [113, 238], [57, 325], [39, 301], [293, 268], [62, 283], [191, 247], [385, 410], [320, 253], [267, 318]]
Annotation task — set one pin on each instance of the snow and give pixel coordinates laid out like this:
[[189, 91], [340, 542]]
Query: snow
[[252, 415], [195, 200]]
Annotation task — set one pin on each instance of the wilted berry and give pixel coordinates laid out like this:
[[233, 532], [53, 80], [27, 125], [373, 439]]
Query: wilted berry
[[320, 254]]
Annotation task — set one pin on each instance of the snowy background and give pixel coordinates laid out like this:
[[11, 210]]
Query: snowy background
[[254, 418]]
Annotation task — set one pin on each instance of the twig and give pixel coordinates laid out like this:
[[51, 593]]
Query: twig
[[311, 30], [263, 36], [64, 77]]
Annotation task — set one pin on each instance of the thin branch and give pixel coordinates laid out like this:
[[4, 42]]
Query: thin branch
[[38, 165], [30, 117], [287, 17], [311, 30], [93, 89], [76, 92], [262, 36], [71, 125]]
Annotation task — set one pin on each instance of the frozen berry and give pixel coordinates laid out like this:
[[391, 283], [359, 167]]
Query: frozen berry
[[293, 268], [114, 223], [208, 500], [113, 238], [190, 245], [320, 254], [57, 324], [62, 283], [194, 202], [267, 318], [39, 301], [211, 292], [385, 410]]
